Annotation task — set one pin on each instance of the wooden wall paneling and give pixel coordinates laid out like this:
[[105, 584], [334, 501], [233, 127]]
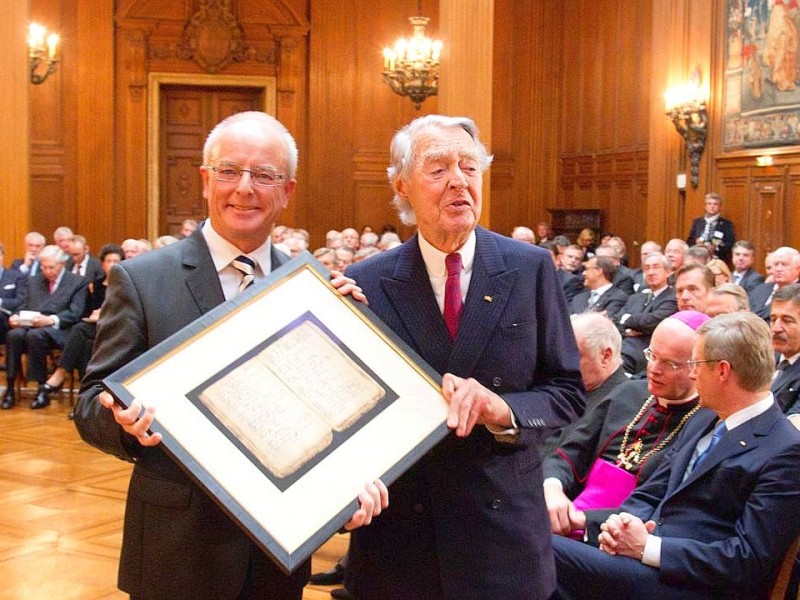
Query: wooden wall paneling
[[791, 207], [766, 199], [94, 152], [14, 156], [632, 57]]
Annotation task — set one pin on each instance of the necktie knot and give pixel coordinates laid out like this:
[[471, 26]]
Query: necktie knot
[[783, 365], [452, 293], [247, 267], [593, 297]]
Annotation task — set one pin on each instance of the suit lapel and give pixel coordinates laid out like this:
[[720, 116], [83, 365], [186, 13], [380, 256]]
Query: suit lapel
[[202, 278], [490, 289], [409, 291]]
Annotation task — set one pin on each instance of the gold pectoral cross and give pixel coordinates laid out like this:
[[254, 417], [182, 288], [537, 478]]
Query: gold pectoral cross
[[630, 457]]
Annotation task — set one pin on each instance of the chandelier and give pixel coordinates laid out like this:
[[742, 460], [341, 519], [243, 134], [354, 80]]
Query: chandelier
[[41, 52], [411, 68], [686, 108]]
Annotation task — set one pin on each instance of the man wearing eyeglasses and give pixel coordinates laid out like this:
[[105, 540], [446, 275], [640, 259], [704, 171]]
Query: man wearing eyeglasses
[[720, 512], [631, 430], [177, 542]]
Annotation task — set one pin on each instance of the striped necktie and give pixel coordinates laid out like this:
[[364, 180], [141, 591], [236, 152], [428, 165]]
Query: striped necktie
[[247, 267]]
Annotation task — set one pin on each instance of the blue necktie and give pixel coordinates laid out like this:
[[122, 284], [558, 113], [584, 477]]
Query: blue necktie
[[719, 431]]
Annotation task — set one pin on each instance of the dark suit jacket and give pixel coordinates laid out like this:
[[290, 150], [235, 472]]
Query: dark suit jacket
[[750, 280], [68, 302], [724, 529], [722, 234], [94, 270], [572, 285], [611, 301], [758, 297], [786, 389], [13, 289], [729, 524], [177, 542], [467, 521], [623, 280], [647, 312], [18, 262]]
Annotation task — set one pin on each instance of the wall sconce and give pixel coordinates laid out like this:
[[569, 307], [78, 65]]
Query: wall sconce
[[686, 108], [41, 52], [411, 68], [764, 161]]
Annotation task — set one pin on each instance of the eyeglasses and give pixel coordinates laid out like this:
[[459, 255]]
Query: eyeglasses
[[671, 364], [261, 177], [694, 363]]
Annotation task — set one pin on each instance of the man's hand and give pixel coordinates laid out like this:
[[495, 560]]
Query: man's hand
[[132, 419], [564, 518], [43, 321], [347, 286], [372, 501], [471, 404], [625, 534]]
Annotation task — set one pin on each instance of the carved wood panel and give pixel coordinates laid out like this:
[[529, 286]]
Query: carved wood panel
[[187, 115]]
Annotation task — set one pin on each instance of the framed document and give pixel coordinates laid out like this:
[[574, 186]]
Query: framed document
[[283, 402]]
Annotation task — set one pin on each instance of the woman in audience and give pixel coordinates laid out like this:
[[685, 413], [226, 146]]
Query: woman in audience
[[78, 348], [722, 274], [586, 240]]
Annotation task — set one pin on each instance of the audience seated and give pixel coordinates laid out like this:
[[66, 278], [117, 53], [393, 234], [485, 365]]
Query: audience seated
[[78, 347], [164, 240], [628, 432], [571, 285], [644, 311], [543, 232], [648, 248], [675, 251], [13, 293], [785, 329], [571, 259], [697, 255], [720, 512], [720, 271], [523, 234], [600, 294], [693, 282], [188, 227], [60, 299], [132, 248], [81, 262], [744, 256], [29, 264], [785, 269]]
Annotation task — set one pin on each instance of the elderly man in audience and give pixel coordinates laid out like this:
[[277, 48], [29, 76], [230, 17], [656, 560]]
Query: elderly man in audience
[[785, 270], [523, 234], [350, 238], [693, 282], [62, 237], [720, 512], [600, 294], [13, 293], [58, 298], [726, 298], [675, 251], [648, 248], [131, 248], [744, 257], [644, 311], [698, 255], [784, 321], [82, 263], [188, 227], [618, 443], [623, 276], [29, 264]]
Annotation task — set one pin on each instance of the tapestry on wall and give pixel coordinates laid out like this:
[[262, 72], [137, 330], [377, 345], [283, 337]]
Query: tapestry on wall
[[762, 74]]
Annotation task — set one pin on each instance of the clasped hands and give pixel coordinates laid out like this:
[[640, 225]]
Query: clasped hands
[[40, 321], [625, 534]]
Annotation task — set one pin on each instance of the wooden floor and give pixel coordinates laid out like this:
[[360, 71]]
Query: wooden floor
[[61, 508]]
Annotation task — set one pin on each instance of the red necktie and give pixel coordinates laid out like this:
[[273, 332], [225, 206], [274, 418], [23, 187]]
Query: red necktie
[[452, 293], [51, 285]]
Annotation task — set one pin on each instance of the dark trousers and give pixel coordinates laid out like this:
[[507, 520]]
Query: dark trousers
[[78, 348], [35, 342]]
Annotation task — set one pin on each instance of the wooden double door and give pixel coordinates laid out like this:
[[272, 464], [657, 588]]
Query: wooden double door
[[187, 114]]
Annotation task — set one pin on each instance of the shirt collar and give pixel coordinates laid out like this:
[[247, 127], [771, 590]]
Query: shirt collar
[[434, 258], [792, 359], [749, 412], [603, 289], [223, 252]]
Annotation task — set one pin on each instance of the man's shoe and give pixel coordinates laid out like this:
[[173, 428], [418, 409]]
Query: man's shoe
[[52, 389], [332, 576], [8, 399], [41, 399], [342, 594]]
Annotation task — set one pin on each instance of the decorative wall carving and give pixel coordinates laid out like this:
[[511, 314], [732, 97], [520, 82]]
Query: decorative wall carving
[[213, 37]]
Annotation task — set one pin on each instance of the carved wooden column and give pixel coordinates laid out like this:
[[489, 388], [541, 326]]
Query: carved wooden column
[[465, 78], [14, 163]]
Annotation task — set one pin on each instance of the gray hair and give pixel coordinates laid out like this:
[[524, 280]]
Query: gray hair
[[662, 259], [738, 292], [53, 252], [402, 157], [262, 118], [599, 332], [743, 340]]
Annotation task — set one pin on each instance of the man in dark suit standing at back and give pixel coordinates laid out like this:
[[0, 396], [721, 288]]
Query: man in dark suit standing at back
[[59, 299], [720, 512], [466, 522], [712, 230], [177, 542]]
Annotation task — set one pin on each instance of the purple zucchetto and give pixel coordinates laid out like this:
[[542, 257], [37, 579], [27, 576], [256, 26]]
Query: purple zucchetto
[[692, 318]]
